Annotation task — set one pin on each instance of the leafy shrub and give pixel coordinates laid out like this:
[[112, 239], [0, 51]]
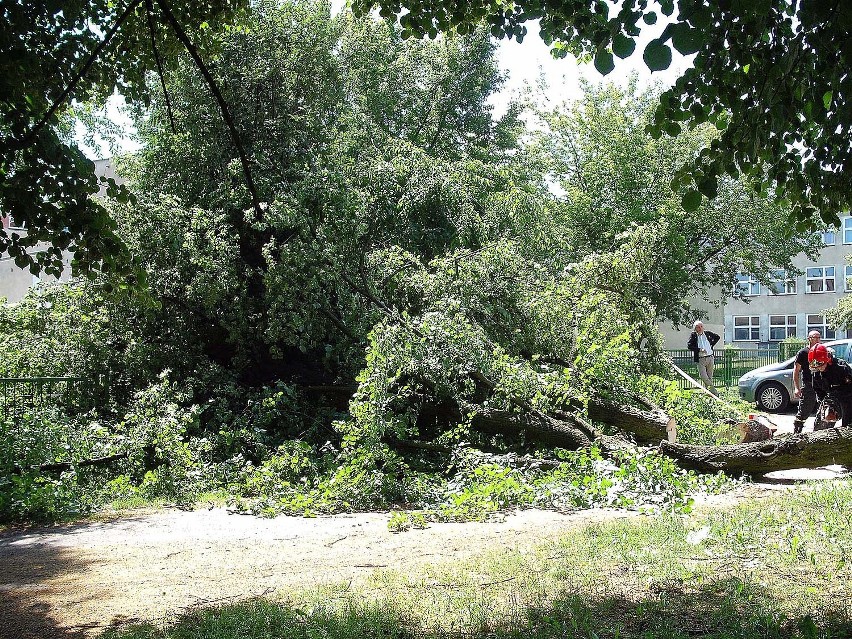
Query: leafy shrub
[[32, 439], [700, 419]]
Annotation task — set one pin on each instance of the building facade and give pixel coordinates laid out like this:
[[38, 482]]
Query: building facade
[[793, 305]]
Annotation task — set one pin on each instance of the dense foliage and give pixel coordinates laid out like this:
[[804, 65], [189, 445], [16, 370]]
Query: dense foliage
[[772, 76], [409, 272], [51, 52]]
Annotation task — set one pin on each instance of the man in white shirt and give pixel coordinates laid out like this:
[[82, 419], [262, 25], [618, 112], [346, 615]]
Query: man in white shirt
[[701, 344]]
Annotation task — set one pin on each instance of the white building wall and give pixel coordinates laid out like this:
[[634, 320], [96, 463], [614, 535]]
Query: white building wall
[[15, 281], [766, 316]]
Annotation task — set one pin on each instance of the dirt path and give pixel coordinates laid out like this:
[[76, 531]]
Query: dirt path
[[71, 582]]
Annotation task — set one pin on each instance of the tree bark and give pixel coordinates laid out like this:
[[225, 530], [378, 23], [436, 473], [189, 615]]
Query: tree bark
[[753, 431], [807, 450], [534, 425], [646, 427]]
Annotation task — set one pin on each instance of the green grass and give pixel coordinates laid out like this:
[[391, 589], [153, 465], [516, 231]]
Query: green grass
[[773, 568]]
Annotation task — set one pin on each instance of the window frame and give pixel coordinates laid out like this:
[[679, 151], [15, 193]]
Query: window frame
[[749, 284], [751, 327], [821, 278], [846, 228], [788, 282], [826, 332], [789, 327]]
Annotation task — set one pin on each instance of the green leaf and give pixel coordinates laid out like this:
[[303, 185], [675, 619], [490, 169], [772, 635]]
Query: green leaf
[[701, 17], [667, 7], [685, 39], [826, 99], [673, 129], [709, 187], [650, 17], [604, 62], [746, 69], [657, 56], [622, 46], [691, 201]]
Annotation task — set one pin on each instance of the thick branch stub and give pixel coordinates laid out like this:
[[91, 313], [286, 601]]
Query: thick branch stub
[[646, 427], [220, 100]]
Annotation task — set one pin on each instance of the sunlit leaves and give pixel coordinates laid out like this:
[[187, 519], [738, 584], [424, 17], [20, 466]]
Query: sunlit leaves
[[47, 184], [740, 49]]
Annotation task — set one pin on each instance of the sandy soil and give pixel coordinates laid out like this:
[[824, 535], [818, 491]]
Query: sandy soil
[[73, 581], [76, 580]]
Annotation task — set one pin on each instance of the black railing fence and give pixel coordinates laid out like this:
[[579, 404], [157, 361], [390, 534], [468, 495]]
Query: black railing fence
[[20, 394]]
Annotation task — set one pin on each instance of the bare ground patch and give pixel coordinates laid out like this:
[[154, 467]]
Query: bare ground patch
[[72, 581]]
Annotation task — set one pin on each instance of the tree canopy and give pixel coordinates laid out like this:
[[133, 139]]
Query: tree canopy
[[401, 277], [53, 52], [773, 76], [615, 181]]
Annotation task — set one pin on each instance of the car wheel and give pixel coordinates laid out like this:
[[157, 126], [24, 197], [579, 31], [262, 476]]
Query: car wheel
[[773, 397]]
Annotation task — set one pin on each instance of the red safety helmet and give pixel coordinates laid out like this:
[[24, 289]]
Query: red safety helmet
[[818, 355]]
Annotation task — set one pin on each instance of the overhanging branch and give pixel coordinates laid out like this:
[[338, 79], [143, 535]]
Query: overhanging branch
[[220, 100], [29, 137]]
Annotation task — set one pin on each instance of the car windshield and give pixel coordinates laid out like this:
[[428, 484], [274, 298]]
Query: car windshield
[[840, 350]]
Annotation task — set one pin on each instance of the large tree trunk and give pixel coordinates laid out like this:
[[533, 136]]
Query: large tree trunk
[[566, 431], [808, 450]]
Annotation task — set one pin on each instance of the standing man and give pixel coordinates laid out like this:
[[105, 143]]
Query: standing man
[[804, 387], [833, 379], [701, 344]]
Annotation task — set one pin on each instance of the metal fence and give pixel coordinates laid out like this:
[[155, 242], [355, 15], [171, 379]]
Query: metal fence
[[731, 363], [20, 394]]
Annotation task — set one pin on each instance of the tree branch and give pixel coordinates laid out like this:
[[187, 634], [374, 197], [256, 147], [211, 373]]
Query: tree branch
[[153, 31], [220, 100], [78, 76]]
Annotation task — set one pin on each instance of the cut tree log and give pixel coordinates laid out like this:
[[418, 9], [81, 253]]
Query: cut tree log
[[567, 431], [752, 430], [807, 450], [536, 425]]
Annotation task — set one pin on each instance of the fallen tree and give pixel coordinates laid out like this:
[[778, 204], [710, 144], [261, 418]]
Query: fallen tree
[[806, 450]]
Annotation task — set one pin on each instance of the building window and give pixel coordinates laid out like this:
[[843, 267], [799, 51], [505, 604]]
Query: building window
[[847, 281], [817, 323], [847, 230], [783, 283], [820, 279], [746, 328], [781, 327], [829, 238], [748, 284]]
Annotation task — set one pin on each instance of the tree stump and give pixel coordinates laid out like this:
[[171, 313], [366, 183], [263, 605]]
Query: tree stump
[[753, 431]]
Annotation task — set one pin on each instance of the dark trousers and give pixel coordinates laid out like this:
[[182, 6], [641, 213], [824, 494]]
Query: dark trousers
[[806, 404], [845, 403]]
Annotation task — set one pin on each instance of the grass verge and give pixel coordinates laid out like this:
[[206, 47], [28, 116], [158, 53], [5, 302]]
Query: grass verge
[[770, 568]]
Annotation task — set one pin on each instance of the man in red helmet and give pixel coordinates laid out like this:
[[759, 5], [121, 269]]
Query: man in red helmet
[[803, 383], [832, 378]]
